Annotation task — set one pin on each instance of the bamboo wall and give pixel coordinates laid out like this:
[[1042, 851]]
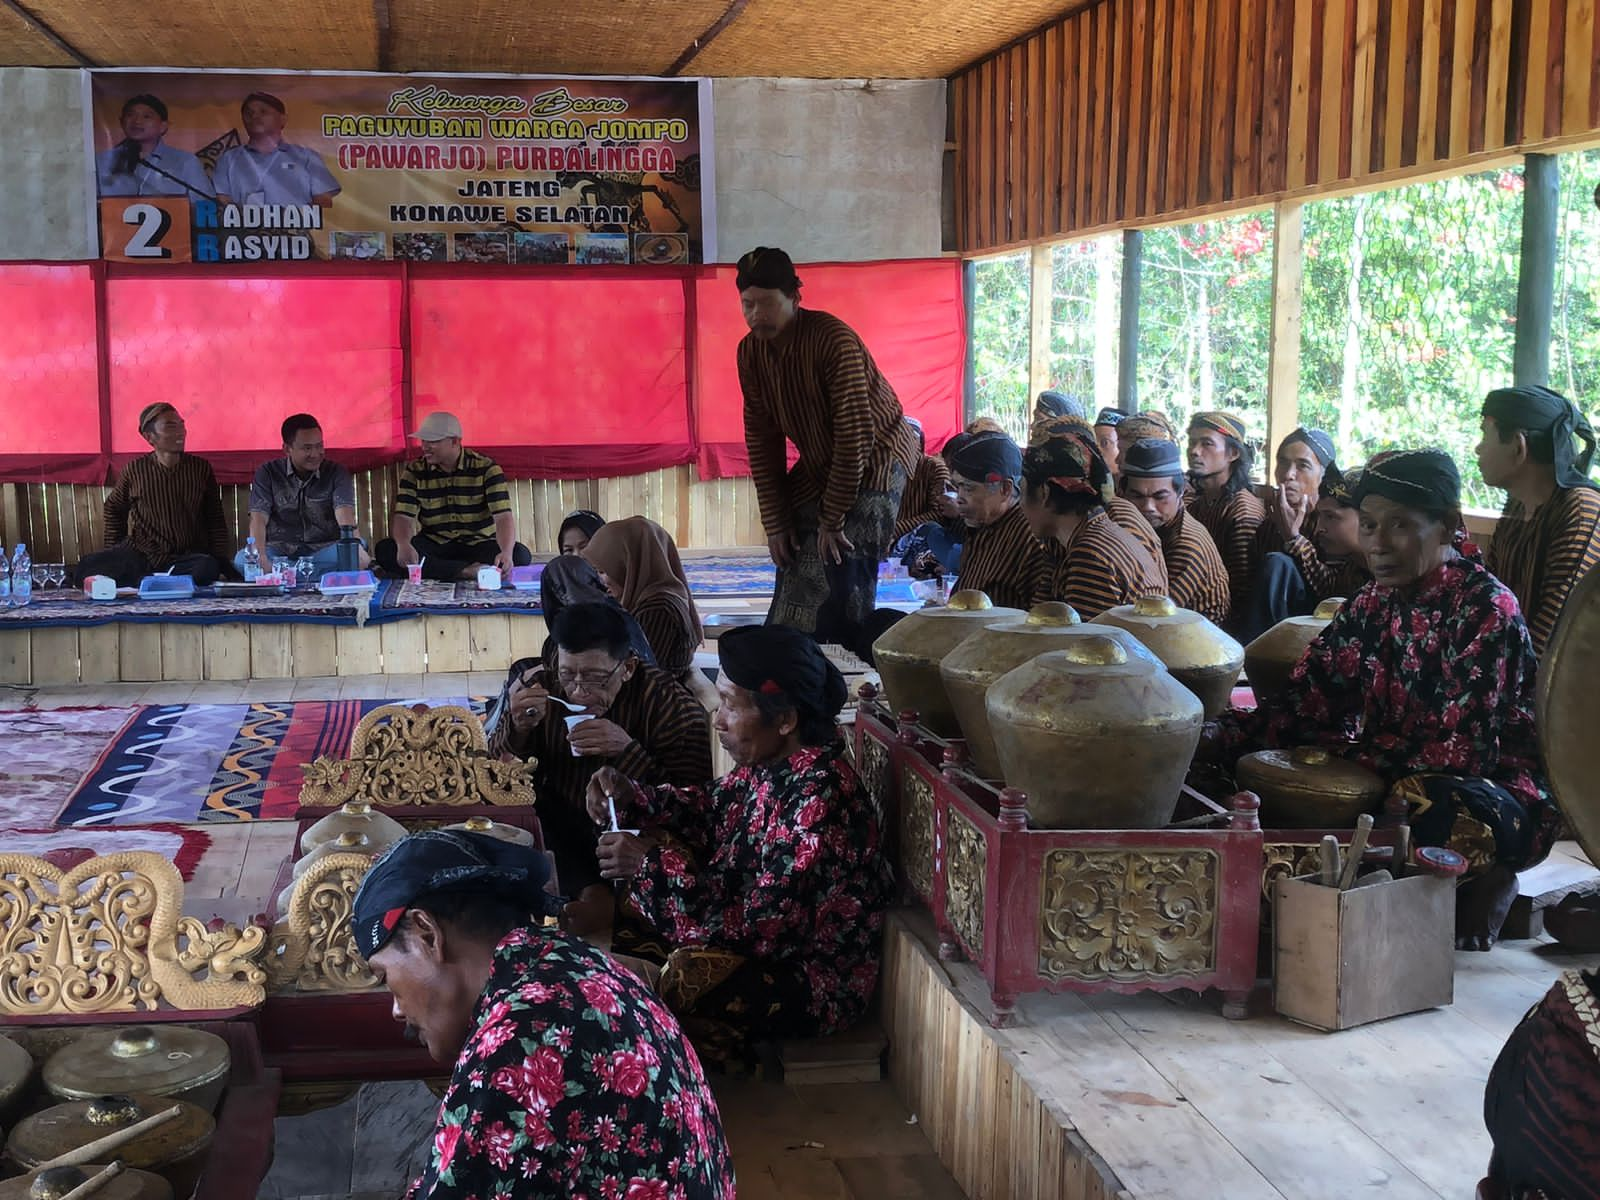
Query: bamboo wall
[[60, 521], [1134, 111]]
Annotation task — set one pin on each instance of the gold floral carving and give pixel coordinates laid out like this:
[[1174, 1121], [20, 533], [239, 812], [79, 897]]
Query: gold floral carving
[[874, 769], [916, 832], [415, 755], [312, 947], [966, 861], [1128, 915], [1288, 860], [109, 936]]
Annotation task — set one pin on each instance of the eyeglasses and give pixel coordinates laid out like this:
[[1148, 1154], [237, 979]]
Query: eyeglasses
[[587, 679]]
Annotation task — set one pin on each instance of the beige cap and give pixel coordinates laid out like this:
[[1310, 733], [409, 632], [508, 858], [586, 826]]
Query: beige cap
[[438, 426]]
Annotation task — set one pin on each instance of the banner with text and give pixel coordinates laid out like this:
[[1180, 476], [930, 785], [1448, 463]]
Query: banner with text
[[216, 167]]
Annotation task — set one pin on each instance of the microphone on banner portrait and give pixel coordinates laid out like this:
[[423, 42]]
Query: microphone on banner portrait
[[130, 149]]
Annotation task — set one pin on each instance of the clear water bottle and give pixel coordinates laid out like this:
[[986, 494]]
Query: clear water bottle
[[21, 577], [5, 580], [252, 561]]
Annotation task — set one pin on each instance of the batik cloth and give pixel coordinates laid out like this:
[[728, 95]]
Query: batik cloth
[[576, 1081], [1435, 682], [1543, 1094], [832, 601], [780, 864]]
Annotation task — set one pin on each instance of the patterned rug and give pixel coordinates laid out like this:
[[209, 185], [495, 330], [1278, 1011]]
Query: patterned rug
[[45, 754], [214, 762], [731, 576], [66, 848]]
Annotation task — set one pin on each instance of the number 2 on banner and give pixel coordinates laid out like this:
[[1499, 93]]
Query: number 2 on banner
[[145, 229], [153, 225]]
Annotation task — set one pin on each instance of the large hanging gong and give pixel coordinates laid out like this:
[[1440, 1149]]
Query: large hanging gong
[[1568, 712]]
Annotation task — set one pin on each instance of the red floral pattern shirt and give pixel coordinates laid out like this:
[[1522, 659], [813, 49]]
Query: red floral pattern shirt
[[576, 1082], [1440, 681], [782, 861]]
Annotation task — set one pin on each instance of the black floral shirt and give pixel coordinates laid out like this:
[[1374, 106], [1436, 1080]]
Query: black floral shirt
[[782, 862], [576, 1082], [1441, 680]]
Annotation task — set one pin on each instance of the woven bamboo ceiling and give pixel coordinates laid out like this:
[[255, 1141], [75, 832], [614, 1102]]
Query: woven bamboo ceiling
[[906, 39]]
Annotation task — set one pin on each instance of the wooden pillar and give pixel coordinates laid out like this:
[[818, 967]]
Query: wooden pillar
[[1536, 279], [1128, 320], [969, 377], [1283, 373], [1041, 294]]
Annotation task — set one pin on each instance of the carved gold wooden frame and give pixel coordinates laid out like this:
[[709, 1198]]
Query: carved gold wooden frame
[[312, 947], [414, 755], [110, 936]]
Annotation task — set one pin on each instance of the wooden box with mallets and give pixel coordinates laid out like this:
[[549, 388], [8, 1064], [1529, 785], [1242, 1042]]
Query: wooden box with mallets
[[1349, 948]]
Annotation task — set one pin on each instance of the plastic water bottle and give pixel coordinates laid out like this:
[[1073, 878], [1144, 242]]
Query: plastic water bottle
[[252, 561], [21, 577], [5, 580]]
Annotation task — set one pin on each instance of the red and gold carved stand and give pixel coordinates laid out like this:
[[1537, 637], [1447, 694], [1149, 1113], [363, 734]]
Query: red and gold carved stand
[[1072, 909]]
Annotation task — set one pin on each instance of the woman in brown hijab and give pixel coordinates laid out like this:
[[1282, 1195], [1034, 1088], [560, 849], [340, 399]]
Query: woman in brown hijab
[[639, 565]]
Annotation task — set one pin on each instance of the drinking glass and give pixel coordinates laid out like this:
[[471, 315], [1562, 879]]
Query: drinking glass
[[41, 576], [58, 574], [305, 573]]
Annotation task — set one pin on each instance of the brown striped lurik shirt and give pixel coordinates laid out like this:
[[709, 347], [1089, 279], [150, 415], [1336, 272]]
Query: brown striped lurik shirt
[[918, 502], [669, 727], [1126, 514], [1004, 560], [166, 513], [1101, 567], [1195, 573], [819, 388], [1540, 557], [672, 639], [1322, 575], [1232, 521]]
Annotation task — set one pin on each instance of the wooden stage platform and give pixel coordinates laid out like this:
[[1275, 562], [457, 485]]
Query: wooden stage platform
[[152, 652], [1157, 1097]]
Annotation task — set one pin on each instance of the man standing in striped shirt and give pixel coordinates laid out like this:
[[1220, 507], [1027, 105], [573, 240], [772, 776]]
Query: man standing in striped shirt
[[165, 513], [807, 377], [1221, 499], [1548, 537], [1153, 480], [452, 511]]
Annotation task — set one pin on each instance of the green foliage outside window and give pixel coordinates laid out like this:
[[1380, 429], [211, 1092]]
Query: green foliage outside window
[[1408, 315]]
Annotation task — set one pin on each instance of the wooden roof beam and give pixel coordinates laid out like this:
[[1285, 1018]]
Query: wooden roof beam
[[50, 35], [728, 17]]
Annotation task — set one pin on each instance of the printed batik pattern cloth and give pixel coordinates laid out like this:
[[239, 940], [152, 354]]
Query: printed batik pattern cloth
[[1435, 684], [782, 864], [575, 1082]]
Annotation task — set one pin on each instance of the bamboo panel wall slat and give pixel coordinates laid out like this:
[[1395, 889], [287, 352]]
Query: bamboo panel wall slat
[[61, 521], [1131, 111]]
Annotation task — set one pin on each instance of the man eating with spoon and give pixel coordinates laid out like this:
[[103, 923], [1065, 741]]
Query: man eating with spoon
[[603, 707]]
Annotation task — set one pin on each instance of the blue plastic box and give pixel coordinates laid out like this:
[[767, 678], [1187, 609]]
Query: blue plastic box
[[166, 587]]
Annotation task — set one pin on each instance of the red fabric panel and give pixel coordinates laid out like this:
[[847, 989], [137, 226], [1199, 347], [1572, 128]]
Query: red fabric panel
[[909, 314], [49, 375], [238, 353], [557, 374]]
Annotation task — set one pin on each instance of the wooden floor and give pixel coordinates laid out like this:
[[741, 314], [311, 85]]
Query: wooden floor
[[837, 1142], [1158, 1097]]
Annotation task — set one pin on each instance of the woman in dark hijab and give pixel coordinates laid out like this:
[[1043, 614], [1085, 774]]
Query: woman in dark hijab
[[577, 529]]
